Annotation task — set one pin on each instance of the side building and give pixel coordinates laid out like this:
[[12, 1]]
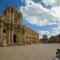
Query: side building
[[30, 36], [14, 33], [55, 39]]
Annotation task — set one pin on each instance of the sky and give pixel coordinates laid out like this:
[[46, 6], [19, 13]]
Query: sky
[[42, 16]]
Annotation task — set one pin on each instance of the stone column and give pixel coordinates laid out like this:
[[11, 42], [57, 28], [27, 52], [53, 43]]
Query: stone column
[[4, 39], [1, 34], [11, 36], [20, 37], [17, 38], [8, 36]]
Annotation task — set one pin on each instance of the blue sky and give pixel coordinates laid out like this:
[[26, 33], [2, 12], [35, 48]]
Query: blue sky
[[42, 16]]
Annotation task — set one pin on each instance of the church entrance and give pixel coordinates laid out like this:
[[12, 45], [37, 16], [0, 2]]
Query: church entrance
[[14, 38]]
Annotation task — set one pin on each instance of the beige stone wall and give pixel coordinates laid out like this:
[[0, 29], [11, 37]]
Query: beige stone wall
[[30, 36], [14, 30]]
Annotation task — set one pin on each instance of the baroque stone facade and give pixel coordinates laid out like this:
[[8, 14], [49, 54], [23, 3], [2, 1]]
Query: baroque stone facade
[[14, 33]]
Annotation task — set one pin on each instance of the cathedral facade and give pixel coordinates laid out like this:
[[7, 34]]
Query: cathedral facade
[[14, 33]]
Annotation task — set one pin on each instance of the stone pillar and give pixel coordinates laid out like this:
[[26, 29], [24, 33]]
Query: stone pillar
[[20, 37], [8, 36], [11, 36], [4, 39], [1, 34]]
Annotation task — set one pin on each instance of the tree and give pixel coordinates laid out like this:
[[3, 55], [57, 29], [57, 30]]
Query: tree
[[58, 53]]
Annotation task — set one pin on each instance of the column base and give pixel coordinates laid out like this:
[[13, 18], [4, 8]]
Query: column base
[[4, 43], [9, 43], [0, 43]]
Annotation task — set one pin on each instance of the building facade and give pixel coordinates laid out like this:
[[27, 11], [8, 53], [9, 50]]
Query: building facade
[[55, 39], [14, 33]]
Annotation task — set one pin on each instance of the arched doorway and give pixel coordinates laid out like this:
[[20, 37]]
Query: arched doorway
[[14, 38]]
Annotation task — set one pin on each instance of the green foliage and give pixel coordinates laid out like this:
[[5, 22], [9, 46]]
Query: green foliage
[[58, 53]]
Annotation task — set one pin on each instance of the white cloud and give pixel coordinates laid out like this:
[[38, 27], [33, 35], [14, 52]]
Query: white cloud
[[43, 33], [50, 2], [36, 14], [56, 31], [55, 11], [53, 32]]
